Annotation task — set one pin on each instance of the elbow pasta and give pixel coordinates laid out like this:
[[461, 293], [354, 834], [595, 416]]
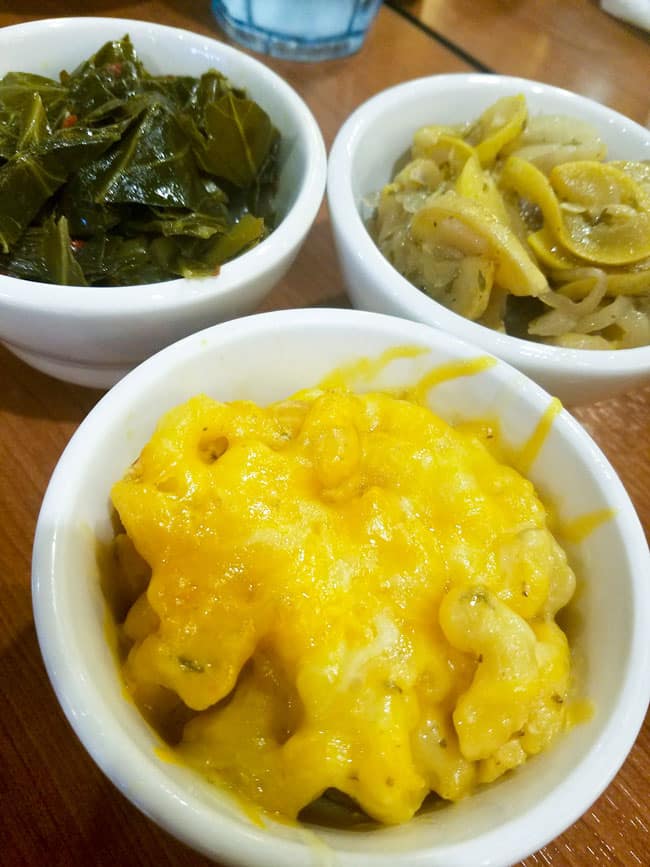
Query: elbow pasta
[[345, 593]]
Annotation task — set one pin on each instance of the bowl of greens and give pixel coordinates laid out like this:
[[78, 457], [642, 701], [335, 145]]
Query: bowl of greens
[[152, 182]]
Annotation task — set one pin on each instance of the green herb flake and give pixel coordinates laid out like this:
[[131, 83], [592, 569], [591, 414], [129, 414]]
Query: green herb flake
[[190, 665]]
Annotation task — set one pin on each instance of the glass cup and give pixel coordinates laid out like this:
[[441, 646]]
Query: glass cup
[[297, 29]]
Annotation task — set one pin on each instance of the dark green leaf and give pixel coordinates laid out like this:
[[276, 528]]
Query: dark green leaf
[[45, 254], [245, 234], [153, 165], [194, 257], [35, 128], [113, 73], [210, 88], [112, 260], [18, 88], [85, 217], [238, 138], [31, 177], [179, 90], [192, 224], [57, 248], [9, 132]]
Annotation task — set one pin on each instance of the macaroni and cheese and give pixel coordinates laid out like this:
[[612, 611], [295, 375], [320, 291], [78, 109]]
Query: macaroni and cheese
[[340, 591]]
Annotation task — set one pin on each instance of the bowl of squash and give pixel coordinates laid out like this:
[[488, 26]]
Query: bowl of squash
[[510, 213], [153, 182]]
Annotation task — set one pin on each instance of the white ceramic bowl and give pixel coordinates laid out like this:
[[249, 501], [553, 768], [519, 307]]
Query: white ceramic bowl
[[362, 160], [94, 336], [264, 358]]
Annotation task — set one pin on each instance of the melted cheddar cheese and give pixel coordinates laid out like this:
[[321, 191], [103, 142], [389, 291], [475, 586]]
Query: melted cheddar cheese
[[346, 593]]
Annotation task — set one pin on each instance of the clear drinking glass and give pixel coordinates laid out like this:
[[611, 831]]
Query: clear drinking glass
[[297, 29]]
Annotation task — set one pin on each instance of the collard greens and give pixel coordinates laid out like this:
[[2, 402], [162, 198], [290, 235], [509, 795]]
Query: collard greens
[[113, 176]]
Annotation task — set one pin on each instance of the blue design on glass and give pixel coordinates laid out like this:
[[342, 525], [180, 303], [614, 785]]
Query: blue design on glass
[[297, 29]]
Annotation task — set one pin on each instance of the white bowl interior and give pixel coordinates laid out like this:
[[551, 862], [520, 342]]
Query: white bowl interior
[[363, 160], [265, 358]]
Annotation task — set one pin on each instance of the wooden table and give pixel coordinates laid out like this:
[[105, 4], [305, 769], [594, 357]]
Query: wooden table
[[57, 808]]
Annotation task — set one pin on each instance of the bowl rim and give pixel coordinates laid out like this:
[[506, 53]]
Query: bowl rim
[[180, 293], [219, 835], [344, 211]]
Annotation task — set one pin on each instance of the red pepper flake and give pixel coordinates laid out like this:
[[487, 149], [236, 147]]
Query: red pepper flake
[[77, 244], [115, 69], [69, 120]]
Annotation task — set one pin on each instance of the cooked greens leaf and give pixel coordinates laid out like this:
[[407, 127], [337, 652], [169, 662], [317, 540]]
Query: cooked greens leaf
[[210, 88], [239, 135], [57, 250], [32, 176], [153, 165], [18, 88], [86, 218], [35, 127], [113, 260], [113, 73], [9, 131], [45, 254], [179, 90], [195, 257], [169, 222], [243, 235]]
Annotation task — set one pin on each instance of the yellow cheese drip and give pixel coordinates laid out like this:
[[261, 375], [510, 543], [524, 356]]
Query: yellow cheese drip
[[445, 372], [366, 369], [579, 528], [526, 457]]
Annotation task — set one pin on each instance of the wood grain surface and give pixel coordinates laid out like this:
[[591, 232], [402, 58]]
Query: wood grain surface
[[569, 43], [57, 808]]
